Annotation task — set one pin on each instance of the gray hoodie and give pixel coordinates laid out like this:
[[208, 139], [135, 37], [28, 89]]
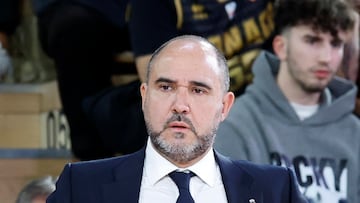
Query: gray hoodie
[[323, 150]]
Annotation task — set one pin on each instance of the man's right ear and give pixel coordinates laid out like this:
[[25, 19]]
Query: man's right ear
[[279, 46]]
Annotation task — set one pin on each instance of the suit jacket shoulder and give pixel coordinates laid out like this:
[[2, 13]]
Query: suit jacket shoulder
[[107, 180]]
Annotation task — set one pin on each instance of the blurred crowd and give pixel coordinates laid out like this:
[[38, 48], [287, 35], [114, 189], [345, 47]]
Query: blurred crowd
[[98, 52]]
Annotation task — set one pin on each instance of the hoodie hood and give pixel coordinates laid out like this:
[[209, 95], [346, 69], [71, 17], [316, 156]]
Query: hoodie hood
[[265, 68]]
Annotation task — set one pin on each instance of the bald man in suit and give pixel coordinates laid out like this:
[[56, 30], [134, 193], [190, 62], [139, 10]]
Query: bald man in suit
[[184, 98]]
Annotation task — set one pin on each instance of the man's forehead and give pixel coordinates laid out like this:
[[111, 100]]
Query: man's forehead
[[186, 74], [187, 59]]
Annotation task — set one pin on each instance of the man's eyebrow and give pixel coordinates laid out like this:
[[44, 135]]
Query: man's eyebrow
[[335, 39], [195, 83], [161, 79], [200, 84], [311, 36]]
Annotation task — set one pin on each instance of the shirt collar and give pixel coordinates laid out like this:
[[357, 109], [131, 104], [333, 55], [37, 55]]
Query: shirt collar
[[157, 167]]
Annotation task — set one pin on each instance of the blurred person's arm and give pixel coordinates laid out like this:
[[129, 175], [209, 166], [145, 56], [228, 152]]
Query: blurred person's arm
[[151, 23], [353, 72], [350, 64]]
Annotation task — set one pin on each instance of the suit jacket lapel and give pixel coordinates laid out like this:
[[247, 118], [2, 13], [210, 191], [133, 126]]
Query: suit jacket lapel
[[237, 181], [127, 180]]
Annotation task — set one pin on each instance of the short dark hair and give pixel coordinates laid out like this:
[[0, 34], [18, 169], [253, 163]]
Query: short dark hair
[[323, 15]]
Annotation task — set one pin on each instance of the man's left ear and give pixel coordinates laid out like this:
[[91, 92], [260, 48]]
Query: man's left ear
[[228, 101]]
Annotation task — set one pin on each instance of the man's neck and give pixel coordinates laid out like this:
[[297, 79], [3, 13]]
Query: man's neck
[[300, 97]]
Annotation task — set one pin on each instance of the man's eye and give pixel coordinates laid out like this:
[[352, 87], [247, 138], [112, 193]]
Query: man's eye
[[311, 40], [199, 91], [337, 44], [165, 87]]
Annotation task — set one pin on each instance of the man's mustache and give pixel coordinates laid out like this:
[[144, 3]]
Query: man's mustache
[[180, 118]]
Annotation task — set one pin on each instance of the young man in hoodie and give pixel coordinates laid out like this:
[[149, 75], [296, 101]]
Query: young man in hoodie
[[297, 113]]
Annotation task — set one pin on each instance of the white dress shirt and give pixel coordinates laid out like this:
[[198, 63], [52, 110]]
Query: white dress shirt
[[157, 186]]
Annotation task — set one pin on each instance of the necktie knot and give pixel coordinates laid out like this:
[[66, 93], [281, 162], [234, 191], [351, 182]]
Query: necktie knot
[[182, 181]]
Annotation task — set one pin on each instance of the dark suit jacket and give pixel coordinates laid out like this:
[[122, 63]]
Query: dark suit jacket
[[118, 180]]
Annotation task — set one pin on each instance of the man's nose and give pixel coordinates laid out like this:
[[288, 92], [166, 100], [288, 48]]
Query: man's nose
[[181, 101], [325, 54]]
